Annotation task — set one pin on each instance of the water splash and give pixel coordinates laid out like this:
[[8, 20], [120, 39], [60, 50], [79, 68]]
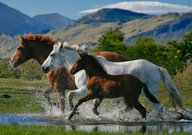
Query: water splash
[[51, 110], [116, 113]]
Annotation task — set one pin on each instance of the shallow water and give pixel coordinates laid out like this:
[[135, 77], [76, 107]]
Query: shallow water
[[98, 124]]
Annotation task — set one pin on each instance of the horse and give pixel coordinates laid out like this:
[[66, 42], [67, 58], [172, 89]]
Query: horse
[[102, 85], [146, 71], [38, 47]]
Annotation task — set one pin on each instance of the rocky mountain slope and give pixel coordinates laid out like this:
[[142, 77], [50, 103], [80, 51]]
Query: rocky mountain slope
[[54, 20]]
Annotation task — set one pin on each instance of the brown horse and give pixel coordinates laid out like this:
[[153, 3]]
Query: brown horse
[[38, 47], [101, 85]]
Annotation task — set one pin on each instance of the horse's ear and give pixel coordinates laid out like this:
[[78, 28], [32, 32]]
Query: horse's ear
[[60, 45], [21, 38], [82, 54]]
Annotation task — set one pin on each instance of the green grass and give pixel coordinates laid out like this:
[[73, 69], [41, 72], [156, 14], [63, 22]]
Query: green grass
[[24, 96], [20, 101]]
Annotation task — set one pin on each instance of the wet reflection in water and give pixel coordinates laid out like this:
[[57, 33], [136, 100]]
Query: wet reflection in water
[[95, 125]]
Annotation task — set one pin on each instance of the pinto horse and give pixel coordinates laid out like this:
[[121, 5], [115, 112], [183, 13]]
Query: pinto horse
[[38, 47], [147, 72], [102, 85]]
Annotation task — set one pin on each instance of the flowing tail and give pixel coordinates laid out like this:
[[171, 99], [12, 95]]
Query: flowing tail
[[174, 95], [148, 94]]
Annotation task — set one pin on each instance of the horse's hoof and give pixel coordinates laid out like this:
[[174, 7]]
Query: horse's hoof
[[71, 115], [69, 118], [144, 119], [95, 112], [77, 113], [71, 108], [98, 117]]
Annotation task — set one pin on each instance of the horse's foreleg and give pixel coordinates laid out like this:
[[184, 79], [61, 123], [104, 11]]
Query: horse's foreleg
[[48, 97], [85, 98], [61, 100], [96, 105], [78, 92]]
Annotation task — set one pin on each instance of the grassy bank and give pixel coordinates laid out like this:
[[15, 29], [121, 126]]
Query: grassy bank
[[20, 96], [60, 130]]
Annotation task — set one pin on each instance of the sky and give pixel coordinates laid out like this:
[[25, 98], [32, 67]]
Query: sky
[[74, 9]]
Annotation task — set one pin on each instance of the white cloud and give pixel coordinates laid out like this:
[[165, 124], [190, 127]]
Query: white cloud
[[148, 7]]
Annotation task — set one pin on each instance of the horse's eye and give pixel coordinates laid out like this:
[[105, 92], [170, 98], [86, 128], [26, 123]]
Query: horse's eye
[[20, 48], [51, 55]]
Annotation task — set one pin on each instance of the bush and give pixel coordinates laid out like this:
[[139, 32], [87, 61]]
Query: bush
[[29, 70], [6, 71]]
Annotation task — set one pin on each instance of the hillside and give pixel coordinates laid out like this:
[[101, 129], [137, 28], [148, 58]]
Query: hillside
[[110, 15], [54, 20], [161, 28], [90, 27]]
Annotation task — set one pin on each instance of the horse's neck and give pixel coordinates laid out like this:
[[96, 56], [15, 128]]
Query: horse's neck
[[41, 52], [69, 57], [93, 70]]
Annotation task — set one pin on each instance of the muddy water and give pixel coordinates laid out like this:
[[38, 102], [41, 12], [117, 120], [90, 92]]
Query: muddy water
[[110, 120]]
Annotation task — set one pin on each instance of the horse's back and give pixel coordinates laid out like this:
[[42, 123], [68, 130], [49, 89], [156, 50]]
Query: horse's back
[[145, 70], [112, 56]]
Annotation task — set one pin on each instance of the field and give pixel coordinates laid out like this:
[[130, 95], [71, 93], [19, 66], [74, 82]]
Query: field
[[21, 96]]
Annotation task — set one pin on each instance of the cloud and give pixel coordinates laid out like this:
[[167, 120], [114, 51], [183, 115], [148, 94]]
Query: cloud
[[148, 7]]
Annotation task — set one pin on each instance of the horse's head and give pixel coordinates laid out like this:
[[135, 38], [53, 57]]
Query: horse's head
[[79, 64], [21, 55], [54, 60], [61, 55]]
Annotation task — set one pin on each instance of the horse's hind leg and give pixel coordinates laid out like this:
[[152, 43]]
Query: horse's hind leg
[[97, 103], [137, 105], [48, 97], [140, 108]]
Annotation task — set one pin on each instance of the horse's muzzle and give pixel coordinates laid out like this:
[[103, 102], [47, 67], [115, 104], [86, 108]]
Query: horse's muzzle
[[45, 69], [13, 64], [72, 72]]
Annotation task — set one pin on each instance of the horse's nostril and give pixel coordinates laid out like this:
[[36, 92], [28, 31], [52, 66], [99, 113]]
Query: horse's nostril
[[45, 69], [42, 68]]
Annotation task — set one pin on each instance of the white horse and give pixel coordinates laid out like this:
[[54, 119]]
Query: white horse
[[147, 72]]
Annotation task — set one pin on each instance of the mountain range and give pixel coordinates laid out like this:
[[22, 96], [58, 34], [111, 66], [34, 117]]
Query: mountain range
[[19, 23], [160, 27], [90, 27], [54, 20]]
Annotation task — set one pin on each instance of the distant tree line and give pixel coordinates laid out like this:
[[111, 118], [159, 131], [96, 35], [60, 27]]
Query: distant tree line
[[173, 56]]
